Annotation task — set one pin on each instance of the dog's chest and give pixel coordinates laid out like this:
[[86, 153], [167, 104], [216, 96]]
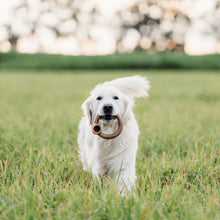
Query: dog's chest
[[109, 156]]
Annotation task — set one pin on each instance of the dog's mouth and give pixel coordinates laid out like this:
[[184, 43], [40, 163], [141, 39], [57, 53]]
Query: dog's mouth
[[107, 117], [97, 129]]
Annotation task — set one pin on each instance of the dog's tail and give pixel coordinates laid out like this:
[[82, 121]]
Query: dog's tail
[[133, 86]]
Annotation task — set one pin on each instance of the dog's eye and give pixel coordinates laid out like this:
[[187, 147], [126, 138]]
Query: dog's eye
[[115, 97], [99, 98]]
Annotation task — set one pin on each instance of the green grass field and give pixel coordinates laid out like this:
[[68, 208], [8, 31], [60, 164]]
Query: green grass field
[[178, 160]]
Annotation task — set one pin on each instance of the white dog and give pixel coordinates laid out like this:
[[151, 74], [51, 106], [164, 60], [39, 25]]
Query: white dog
[[112, 157]]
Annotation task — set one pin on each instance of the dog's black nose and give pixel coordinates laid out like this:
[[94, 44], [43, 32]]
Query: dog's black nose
[[107, 109]]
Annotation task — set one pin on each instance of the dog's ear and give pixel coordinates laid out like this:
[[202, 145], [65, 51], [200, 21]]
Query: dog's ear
[[133, 86], [127, 110], [86, 107]]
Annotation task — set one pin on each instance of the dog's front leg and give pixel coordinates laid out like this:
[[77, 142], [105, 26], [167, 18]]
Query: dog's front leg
[[125, 180]]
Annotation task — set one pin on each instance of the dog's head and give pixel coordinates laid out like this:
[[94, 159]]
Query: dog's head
[[107, 102], [115, 98]]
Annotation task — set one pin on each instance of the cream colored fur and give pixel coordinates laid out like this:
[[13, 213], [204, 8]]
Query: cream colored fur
[[115, 156]]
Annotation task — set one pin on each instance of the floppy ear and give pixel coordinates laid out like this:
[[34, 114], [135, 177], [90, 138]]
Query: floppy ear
[[86, 107], [133, 86], [128, 110]]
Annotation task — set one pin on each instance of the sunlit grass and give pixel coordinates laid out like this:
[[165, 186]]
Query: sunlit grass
[[178, 160]]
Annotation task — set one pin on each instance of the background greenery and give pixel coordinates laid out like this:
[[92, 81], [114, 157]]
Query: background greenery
[[135, 60], [178, 160]]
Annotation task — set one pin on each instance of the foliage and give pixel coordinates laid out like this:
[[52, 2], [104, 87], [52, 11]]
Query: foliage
[[157, 25], [136, 60], [165, 25], [56, 18], [178, 165]]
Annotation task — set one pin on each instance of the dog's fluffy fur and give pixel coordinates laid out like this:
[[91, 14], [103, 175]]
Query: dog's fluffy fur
[[114, 157]]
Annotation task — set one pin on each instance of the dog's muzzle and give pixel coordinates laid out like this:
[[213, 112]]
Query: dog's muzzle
[[96, 129]]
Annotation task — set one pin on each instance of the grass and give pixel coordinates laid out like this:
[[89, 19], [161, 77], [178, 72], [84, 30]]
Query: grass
[[135, 60], [178, 160]]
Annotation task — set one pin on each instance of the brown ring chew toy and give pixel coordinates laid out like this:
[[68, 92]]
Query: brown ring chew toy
[[96, 129]]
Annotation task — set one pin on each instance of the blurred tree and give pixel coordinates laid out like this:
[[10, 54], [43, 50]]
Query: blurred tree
[[53, 17], [157, 27], [147, 25], [161, 25]]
